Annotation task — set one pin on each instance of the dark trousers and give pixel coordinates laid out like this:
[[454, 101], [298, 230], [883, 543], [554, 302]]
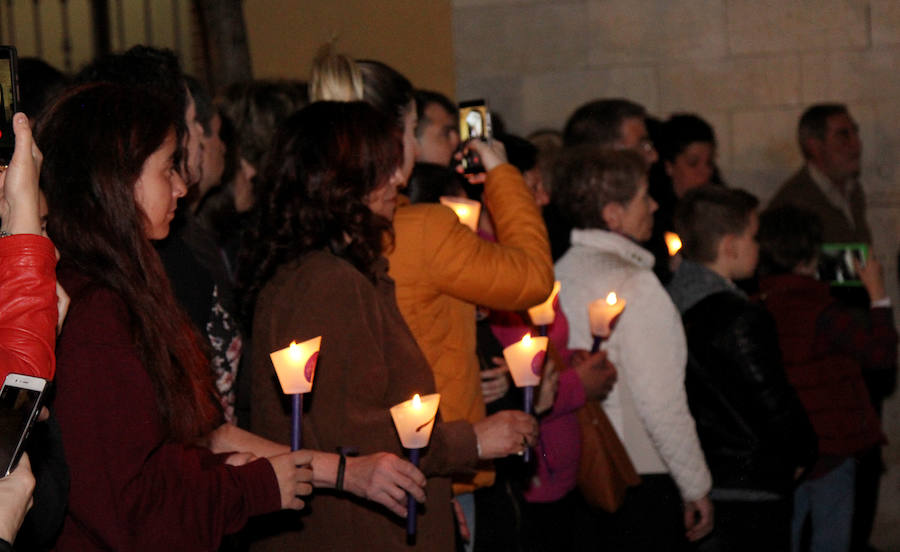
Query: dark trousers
[[865, 505], [552, 526], [650, 519], [749, 527]]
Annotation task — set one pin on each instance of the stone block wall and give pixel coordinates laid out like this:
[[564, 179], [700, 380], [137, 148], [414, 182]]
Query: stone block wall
[[749, 67]]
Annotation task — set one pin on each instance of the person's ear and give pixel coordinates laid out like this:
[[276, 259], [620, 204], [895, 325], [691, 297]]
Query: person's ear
[[728, 247], [813, 147], [613, 213]]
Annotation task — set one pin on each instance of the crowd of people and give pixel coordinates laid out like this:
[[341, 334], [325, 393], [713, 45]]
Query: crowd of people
[[197, 233]]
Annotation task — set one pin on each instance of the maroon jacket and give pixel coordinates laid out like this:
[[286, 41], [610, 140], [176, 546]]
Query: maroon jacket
[[825, 348], [132, 489], [27, 306]]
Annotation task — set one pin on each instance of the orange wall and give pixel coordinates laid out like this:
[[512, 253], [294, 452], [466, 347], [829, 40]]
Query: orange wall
[[412, 36]]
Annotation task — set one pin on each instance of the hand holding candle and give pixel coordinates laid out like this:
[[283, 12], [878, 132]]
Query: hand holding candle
[[295, 366], [542, 315], [414, 420], [603, 314], [466, 209], [526, 361]]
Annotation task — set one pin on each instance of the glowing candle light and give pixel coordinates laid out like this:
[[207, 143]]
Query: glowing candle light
[[603, 315], [542, 315], [673, 243], [295, 366], [466, 209], [414, 420], [526, 363]]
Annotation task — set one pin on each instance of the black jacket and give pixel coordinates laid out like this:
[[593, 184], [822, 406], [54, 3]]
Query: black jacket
[[752, 427]]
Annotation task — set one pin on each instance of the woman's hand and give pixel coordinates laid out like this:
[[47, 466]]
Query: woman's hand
[[546, 391], [62, 307], [19, 194], [240, 458], [384, 478], [495, 381], [492, 152], [15, 498], [504, 433], [872, 277], [294, 477], [597, 374]]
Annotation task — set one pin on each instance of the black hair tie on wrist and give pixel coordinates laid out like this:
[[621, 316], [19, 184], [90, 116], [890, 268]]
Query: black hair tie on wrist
[[342, 464]]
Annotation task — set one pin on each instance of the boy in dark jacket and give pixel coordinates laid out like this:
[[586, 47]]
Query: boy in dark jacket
[[754, 432], [826, 348]]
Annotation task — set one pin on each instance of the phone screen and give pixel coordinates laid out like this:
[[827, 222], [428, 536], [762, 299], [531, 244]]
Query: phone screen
[[8, 102], [17, 406]]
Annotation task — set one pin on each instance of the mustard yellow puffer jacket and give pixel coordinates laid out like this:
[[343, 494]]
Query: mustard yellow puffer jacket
[[442, 270]]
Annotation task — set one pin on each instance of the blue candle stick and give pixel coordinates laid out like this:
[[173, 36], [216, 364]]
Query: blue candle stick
[[542, 330], [529, 409], [410, 499], [296, 420], [597, 341]]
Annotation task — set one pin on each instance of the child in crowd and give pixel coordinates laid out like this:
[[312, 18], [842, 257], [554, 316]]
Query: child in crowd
[[825, 349], [753, 429]]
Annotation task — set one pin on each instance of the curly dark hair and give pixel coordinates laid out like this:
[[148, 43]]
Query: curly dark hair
[[326, 159], [95, 139]]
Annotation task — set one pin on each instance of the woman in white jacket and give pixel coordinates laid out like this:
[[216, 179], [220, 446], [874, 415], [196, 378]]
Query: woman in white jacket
[[604, 194]]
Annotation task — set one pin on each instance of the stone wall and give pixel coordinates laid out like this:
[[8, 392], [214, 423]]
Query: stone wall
[[747, 66]]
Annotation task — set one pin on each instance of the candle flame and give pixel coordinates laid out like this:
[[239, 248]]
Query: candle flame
[[294, 351], [462, 211], [526, 341], [611, 299], [673, 243], [416, 401]]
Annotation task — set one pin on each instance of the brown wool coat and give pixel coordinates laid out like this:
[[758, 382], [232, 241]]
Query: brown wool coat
[[368, 362], [442, 270]]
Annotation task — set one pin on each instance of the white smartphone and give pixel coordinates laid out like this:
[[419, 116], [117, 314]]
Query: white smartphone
[[20, 403]]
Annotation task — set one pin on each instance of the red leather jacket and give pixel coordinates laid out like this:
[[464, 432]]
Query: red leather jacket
[[28, 311]]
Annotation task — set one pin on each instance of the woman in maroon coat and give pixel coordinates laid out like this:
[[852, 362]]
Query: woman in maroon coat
[[133, 392]]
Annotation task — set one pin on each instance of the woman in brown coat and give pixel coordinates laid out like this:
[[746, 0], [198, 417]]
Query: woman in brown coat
[[330, 192]]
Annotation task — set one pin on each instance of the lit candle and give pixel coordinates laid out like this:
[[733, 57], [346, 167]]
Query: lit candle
[[603, 314], [542, 315], [526, 363], [414, 420], [673, 243], [295, 366], [466, 209]]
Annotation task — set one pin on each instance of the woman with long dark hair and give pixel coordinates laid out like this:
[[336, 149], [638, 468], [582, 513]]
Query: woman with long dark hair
[[134, 395]]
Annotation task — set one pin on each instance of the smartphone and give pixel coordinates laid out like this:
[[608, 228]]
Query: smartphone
[[20, 403], [9, 101], [474, 123], [837, 266]]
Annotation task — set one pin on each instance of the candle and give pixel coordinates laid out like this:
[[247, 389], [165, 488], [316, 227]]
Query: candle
[[526, 362], [673, 243], [466, 209], [414, 420], [295, 366], [603, 314], [542, 315]]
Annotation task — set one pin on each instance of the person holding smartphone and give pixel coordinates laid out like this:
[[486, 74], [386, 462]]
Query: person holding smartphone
[[29, 317]]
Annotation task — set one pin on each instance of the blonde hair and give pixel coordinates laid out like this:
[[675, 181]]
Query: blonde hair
[[335, 77]]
